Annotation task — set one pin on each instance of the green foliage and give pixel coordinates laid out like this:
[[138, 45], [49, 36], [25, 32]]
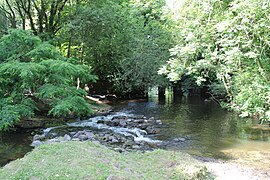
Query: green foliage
[[70, 105], [3, 23], [12, 113], [50, 91], [16, 45], [44, 51], [38, 73], [146, 52], [125, 41], [225, 43]]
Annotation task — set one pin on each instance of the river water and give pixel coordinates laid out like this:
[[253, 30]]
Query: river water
[[207, 129], [190, 124]]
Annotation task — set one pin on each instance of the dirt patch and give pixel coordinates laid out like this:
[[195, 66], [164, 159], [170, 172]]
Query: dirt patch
[[229, 170], [247, 162]]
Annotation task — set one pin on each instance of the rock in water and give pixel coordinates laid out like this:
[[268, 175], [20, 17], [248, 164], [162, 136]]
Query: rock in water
[[119, 118], [89, 135], [66, 137], [36, 143], [113, 139], [122, 123], [78, 134], [159, 122], [38, 137], [179, 139], [83, 137]]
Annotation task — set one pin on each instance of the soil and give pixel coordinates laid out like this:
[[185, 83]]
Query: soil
[[252, 165], [227, 170]]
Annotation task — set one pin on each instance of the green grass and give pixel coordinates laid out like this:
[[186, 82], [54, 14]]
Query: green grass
[[87, 160]]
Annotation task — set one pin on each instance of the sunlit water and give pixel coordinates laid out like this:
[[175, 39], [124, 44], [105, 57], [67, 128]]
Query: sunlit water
[[203, 127], [208, 130]]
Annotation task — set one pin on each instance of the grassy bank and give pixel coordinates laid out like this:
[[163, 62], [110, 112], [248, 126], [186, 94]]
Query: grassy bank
[[87, 160]]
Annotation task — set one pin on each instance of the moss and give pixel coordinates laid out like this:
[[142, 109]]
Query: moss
[[87, 160]]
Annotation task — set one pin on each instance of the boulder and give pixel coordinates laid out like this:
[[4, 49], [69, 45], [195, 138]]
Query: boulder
[[66, 137], [101, 121], [72, 133], [83, 137], [139, 117], [143, 126], [89, 135], [54, 140], [139, 121], [36, 143], [151, 130], [38, 137], [159, 122], [151, 119], [115, 122], [119, 118], [128, 144], [123, 123], [179, 139], [113, 139], [109, 123], [78, 134]]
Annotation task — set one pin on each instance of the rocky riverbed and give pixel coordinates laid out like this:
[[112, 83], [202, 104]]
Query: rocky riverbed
[[119, 131], [123, 131]]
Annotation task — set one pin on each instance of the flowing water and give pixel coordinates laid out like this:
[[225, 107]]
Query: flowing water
[[203, 127], [190, 124]]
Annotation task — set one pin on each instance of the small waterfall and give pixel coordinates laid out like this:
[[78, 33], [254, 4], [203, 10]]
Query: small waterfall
[[136, 133]]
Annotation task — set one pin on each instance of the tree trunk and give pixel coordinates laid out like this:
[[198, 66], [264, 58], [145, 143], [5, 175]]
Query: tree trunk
[[69, 44], [161, 92]]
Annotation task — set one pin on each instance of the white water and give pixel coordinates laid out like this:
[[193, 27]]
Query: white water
[[136, 133]]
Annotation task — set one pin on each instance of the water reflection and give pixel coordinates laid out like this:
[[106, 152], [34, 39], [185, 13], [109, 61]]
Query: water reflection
[[202, 127], [14, 145], [208, 127]]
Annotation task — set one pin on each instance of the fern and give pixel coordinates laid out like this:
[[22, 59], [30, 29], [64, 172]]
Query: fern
[[11, 113], [32, 69], [52, 91], [70, 106]]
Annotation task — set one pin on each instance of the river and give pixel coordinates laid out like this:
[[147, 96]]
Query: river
[[203, 127], [210, 128]]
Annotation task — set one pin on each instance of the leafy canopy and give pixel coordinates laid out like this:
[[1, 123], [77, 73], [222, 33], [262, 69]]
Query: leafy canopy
[[32, 73], [225, 44]]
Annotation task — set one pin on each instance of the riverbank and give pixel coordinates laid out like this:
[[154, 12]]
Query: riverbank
[[88, 160], [192, 126], [246, 160], [43, 121], [234, 169]]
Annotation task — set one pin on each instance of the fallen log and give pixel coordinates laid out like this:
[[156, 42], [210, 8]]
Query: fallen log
[[94, 99]]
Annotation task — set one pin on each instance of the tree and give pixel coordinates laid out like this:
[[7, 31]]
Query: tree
[[124, 42], [44, 17], [225, 45], [146, 51], [3, 23], [34, 75]]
